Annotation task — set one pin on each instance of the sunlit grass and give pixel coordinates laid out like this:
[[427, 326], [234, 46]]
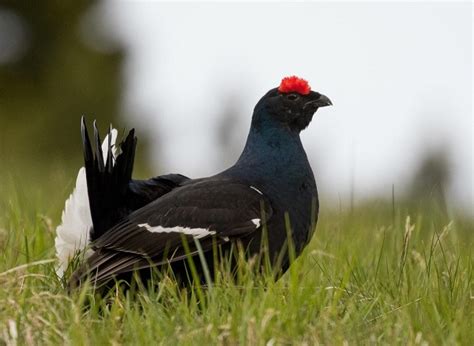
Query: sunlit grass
[[379, 273]]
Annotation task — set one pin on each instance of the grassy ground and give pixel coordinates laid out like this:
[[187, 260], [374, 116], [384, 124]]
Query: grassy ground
[[377, 274]]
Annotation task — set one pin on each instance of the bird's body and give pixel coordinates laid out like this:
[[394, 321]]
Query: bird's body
[[274, 162], [143, 224]]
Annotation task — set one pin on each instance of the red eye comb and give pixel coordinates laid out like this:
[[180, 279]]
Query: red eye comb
[[294, 84]]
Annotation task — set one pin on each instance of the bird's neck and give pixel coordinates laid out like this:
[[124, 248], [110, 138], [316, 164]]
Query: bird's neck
[[273, 150]]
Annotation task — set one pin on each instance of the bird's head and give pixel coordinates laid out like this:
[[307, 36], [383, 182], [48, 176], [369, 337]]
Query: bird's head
[[292, 104]]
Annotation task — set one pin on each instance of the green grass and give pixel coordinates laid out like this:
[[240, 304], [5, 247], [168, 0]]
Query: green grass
[[376, 274]]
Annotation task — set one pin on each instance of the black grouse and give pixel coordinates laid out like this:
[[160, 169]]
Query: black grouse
[[138, 225]]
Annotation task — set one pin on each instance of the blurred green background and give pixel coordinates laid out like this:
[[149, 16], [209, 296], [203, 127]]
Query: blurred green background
[[49, 77], [49, 80]]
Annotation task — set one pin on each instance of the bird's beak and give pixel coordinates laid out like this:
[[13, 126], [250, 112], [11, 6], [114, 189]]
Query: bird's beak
[[319, 100], [323, 101]]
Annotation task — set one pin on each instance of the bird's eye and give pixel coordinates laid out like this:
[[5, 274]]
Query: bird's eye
[[292, 97]]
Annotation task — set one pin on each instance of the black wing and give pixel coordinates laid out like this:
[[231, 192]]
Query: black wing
[[210, 210], [142, 192]]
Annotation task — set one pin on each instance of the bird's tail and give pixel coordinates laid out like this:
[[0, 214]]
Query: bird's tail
[[72, 234], [107, 177]]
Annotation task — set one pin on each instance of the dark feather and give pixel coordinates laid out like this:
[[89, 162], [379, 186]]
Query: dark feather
[[224, 207], [112, 192]]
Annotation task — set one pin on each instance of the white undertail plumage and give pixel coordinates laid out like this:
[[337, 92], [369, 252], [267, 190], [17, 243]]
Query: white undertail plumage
[[72, 235]]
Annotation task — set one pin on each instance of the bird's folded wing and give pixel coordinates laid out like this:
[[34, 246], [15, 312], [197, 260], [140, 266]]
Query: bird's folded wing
[[210, 211]]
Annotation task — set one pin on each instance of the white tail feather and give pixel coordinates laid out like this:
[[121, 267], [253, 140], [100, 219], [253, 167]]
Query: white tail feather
[[72, 235]]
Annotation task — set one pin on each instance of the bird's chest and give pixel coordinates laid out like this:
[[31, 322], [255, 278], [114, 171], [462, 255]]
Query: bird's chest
[[295, 203], [296, 198]]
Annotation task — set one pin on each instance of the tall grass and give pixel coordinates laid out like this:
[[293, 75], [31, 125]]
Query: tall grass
[[381, 273]]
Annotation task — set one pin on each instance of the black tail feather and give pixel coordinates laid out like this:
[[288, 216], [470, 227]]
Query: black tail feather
[[107, 183], [86, 144], [98, 150], [109, 166]]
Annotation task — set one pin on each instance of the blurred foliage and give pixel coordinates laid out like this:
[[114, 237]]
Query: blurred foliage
[[432, 176], [430, 180], [51, 82]]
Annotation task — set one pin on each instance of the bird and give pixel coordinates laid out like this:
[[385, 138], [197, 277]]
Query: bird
[[268, 197]]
